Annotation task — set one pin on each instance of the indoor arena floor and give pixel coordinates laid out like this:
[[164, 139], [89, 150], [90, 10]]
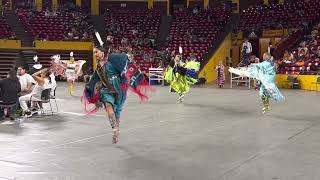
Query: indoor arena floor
[[216, 134]]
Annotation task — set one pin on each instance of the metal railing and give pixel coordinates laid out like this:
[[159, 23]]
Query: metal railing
[[156, 74], [240, 79]]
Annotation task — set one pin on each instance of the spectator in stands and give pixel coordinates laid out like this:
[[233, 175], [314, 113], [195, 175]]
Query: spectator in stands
[[134, 32], [4, 8], [300, 12], [300, 62], [314, 33], [318, 52], [145, 42], [69, 36], [287, 57], [140, 42], [166, 56], [110, 38], [305, 23], [302, 54], [229, 61], [10, 88], [13, 37], [195, 10], [271, 48], [246, 47], [43, 80], [152, 42], [26, 81], [146, 57], [313, 42], [85, 36], [303, 45], [42, 36], [1, 9], [173, 55], [47, 13], [76, 36], [246, 51], [193, 55], [124, 41]]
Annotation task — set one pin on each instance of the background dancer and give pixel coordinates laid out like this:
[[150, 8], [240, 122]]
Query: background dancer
[[181, 75], [265, 73], [70, 69], [220, 75]]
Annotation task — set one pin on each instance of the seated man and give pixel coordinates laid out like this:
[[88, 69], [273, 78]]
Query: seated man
[[26, 81], [10, 88], [43, 80]]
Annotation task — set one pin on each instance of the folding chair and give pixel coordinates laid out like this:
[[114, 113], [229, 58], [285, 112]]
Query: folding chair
[[45, 98], [54, 98]]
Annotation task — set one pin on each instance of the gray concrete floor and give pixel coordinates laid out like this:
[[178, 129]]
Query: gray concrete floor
[[217, 134]]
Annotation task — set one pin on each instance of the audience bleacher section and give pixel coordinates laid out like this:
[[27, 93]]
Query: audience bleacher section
[[136, 30], [195, 30], [288, 15], [56, 26], [303, 59], [5, 30]]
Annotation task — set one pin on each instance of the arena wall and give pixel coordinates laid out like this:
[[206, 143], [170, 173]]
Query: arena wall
[[63, 45], [306, 81], [10, 44]]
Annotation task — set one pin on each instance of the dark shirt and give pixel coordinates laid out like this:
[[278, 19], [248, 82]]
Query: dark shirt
[[9, 90], [272, 51]]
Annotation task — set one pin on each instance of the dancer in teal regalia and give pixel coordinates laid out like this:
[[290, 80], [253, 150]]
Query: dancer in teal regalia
[[115, 74]]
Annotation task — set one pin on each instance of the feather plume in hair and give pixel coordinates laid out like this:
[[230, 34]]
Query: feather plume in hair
[[99, 39]]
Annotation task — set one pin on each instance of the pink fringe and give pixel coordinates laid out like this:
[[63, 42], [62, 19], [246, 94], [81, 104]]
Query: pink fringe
[[85, 101], [143, 90], [57, 69]]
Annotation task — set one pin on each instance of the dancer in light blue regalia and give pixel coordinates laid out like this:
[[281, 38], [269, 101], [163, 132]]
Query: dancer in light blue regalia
[[265, 73]]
